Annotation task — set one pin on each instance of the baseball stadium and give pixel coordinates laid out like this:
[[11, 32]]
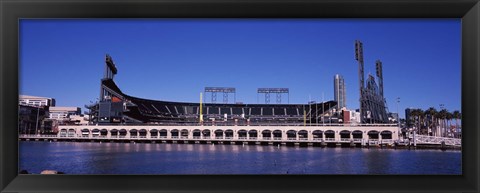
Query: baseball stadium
[[119, 117], [124, 118]]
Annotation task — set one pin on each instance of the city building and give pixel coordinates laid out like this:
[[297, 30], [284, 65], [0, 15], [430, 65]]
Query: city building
[[346, 116], [63, 113], [78, 120], [36, 101], [355, 117], [31, 119], [339, 91], [393, 117]]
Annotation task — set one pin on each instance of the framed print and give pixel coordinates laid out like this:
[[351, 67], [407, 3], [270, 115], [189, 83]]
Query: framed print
[[239, 96]]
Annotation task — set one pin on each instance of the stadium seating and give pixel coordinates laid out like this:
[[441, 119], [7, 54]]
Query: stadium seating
[[160, 112]]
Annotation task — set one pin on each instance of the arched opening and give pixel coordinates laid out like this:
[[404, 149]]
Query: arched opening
[[63, 132], [164, 133], [196, 133], [303, 135], [175, 133], [329, 135], [95, 132], [85, 132], [267, 134], [114, 133], [103, 132], [291, 135], [154, 133], [218, 134], [344, 135], [71, 133], [206, 134], [252, 134], [133, 133], [386, 134], [123, 133], [184, 134], [242, 134], [357, 135], [228, 134], [142, 133], [317, 135], [373, 134], [277, 135]]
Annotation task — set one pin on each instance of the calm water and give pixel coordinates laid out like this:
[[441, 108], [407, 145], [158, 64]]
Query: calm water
[[124, 158]]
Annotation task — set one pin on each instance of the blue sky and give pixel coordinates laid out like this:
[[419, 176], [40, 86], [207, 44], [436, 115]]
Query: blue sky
[[174, 59]]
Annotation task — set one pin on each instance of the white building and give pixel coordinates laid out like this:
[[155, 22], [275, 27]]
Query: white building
[[63, 113], [354, 117], [79, 119], [36, 101]]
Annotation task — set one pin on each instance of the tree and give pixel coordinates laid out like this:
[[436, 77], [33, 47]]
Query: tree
[[415, 118], [456, 116], [420, 116], [442, 115], [449, 118], [431, 124]]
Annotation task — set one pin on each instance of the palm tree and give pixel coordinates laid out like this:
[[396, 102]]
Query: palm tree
[[431, 112], [442, 115], [417, 115], [422, 121], [411, 120], [456, 116], [412, 117], [449, 123]]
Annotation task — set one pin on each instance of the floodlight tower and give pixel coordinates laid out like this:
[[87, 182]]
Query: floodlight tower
[[278, 91], [361, 75], [225, 91], [110, 71], [380, 77]]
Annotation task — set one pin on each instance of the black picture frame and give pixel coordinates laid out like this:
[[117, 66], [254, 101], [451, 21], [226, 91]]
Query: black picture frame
[[11, 11]]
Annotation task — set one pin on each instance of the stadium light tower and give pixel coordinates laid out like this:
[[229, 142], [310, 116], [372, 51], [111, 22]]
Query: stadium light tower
[[373, 108], [361, 75], [224, 90], [278, 91], [110, 71]]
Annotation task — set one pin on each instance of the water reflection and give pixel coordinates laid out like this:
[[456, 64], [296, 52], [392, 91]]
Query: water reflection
[[142, 158]]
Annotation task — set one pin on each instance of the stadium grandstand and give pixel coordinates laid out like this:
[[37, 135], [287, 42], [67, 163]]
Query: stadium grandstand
[[116, 107]]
